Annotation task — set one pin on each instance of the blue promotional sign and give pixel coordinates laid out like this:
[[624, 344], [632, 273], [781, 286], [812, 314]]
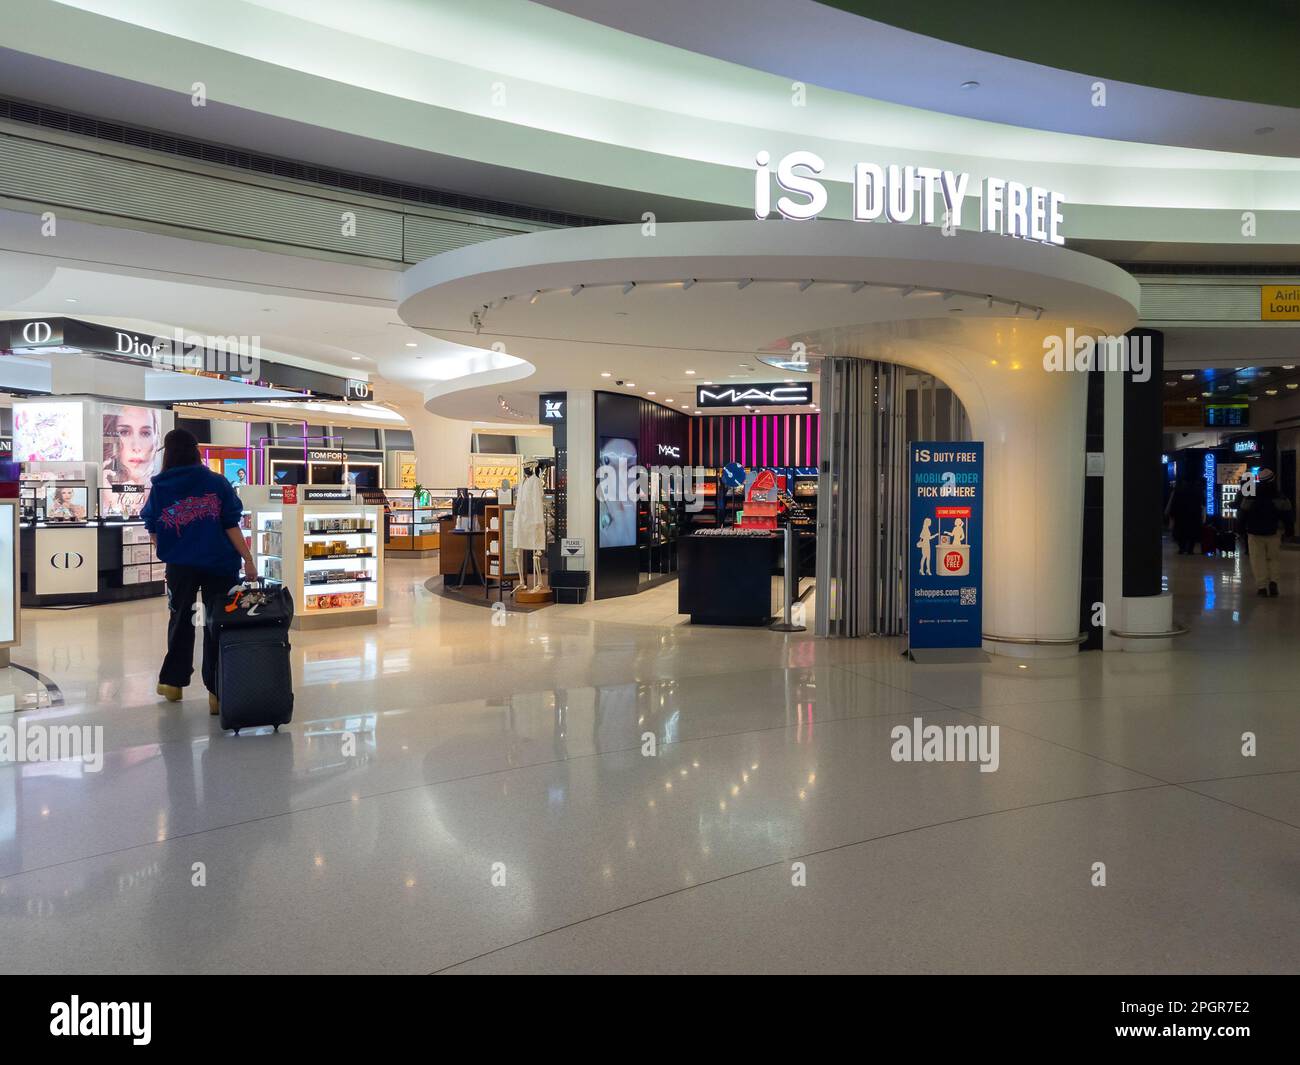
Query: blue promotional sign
[[946, 547]]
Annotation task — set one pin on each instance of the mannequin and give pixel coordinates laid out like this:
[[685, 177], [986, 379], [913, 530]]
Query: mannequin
[[530, 526]]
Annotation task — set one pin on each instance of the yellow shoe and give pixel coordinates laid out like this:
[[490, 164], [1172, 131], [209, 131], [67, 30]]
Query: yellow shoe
[[170, 692], [214, 707]]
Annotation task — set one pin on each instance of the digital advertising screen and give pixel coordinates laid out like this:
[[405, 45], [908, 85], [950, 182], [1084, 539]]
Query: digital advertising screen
[[48, 432], [235, 471], [616, 492], [132, 454]]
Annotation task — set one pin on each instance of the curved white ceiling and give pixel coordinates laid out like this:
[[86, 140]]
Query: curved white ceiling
[[536, 97], [562, 301], [823, 45]]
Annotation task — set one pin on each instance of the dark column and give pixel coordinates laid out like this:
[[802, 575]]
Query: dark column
[[1091, 588], [1143, 473], [553, 410]]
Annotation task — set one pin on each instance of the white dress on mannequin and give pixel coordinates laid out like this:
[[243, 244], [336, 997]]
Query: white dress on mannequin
[[530, 524]]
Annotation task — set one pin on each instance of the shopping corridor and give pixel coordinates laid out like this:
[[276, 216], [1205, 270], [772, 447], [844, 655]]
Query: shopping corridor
[[457, 795]]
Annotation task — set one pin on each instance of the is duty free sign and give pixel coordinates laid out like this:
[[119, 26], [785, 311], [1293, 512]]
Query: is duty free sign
[[945, 555]]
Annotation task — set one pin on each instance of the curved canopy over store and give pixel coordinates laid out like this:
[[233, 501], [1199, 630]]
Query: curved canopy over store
[[703, 301]]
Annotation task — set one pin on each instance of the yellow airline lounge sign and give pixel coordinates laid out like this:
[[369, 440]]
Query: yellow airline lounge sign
[[1279, 303]]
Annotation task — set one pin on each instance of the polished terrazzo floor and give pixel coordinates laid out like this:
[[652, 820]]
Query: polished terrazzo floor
[[498, 813]]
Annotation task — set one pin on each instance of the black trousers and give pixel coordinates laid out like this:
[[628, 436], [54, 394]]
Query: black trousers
[[184, 585]]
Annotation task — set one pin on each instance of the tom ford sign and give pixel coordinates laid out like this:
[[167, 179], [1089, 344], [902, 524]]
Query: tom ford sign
[[776, 395], [907, 194]]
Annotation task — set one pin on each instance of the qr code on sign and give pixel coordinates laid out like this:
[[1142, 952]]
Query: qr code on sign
[[968, 597]]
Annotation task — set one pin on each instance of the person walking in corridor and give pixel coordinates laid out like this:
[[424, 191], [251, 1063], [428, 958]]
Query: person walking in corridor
[[1263, 511], [1186, 508], [193, 517]]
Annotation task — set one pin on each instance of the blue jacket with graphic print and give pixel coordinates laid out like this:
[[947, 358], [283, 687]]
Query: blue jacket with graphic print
[[189, 510]]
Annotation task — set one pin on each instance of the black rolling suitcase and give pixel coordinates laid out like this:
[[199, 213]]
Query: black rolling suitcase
[[254, 678]]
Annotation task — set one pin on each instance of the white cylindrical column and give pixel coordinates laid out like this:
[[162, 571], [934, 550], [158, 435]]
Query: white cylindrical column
[[1034, 435]]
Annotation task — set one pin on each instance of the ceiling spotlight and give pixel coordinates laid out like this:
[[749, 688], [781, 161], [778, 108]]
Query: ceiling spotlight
[[69, 300], [668, 401], [1292, 384], [605, 373], [690, 373], [629, 287], [631, 384], [805, 285], [1171, 384], [1270, 391], [970, 85], [858, 287], [745, 283], [649, 393], [687, 283], [356, 358], [1290, 366], [1207, 394], [708, 382], [1188, 376], [409, 344], [576, 289]]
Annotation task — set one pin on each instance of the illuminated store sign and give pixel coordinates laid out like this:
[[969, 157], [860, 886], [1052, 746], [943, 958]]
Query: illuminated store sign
[[1211, 471], [753, 395], [907, 194], [671, 451], [1245, 447]]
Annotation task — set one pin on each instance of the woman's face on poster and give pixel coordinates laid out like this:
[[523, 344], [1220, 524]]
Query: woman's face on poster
[[136, 439]]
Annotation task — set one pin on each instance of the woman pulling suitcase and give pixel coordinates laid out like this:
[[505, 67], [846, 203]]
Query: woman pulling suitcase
[[192, 515]]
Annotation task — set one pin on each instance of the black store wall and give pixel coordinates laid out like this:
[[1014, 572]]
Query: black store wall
[[660, 436]]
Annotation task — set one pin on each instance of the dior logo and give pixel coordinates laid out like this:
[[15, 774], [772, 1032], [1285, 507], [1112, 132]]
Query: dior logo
[[67, 560], [37, 332]]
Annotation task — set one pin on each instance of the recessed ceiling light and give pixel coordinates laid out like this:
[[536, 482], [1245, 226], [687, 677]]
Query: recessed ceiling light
[[1292, 384], [1288, 367], [69, 300], [356, 358], [631, 384], [708, 382], [606, 373], [1207, 393], [411, 345], [1189, 377], [969, 85], [1270, 391], [668, 401], [690, 373], [649, 393], [1171, 384]]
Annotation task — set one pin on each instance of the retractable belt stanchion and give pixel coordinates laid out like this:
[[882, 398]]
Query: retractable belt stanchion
[[786, 624]]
